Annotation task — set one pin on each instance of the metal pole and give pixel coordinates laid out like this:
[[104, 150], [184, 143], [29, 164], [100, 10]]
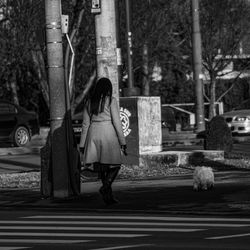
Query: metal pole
[[130, 90], [57, 98], [118, 42], [129, 45], [197, 66]]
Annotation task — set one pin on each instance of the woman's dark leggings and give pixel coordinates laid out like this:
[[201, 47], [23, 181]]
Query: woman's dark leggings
[[108, 175]]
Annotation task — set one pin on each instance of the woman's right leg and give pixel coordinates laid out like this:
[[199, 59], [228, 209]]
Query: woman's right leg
[[104, 190], [112, 173], [107, 175]]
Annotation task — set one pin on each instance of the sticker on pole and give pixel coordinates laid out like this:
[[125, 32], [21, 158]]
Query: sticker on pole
[[98, 51]]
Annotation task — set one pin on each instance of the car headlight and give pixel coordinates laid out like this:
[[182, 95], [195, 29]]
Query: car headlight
[[242, 119]]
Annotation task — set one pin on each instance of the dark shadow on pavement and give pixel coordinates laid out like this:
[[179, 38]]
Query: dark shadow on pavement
[[32, 166]]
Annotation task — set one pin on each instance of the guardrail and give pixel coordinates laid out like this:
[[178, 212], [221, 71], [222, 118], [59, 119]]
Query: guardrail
[[177, 106]]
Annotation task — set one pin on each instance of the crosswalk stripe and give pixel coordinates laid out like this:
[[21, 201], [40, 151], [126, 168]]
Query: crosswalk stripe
[[123, 247], [13, 248], [113, 235], [64, 222], [41, 241], [228, 236], [137, 218], [102, 229]]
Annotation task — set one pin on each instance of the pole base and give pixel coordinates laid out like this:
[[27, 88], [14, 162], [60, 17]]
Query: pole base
[[134, 91]]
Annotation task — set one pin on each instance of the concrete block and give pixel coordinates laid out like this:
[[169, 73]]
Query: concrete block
[[149, 124], [141, 122], [156, 161]]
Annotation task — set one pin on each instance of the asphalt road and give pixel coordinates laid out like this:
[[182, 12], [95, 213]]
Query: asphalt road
[[243, 148], [19, 163], [239, 148], [54, 230]]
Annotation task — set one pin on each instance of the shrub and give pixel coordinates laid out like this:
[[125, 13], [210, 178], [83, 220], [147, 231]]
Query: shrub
[[218, 135]]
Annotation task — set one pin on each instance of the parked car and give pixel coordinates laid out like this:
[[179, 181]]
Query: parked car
[[17, 125], [77, 125], [239, 121]]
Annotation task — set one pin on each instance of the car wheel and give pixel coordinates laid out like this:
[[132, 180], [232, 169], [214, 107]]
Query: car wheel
[[21, 136]]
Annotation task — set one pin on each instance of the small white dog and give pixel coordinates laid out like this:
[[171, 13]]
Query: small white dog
[[203, 178]]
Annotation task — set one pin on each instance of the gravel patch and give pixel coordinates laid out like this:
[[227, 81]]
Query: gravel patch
[[20, 180]]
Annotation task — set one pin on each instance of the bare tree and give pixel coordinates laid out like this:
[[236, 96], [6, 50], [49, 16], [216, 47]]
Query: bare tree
[[225, 24], [15, 42], [78, 23], [22, 44]]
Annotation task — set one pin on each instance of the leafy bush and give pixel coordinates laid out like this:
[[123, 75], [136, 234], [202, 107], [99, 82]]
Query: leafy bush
[[218, 135]]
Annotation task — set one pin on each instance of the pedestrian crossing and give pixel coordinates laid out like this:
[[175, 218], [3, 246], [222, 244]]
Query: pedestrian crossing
[[28, 231]]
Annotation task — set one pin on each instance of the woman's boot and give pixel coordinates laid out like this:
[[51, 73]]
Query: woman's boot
[[104, 190], [111, 175]]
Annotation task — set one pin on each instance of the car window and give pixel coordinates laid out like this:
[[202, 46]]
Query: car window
[[6, 108]]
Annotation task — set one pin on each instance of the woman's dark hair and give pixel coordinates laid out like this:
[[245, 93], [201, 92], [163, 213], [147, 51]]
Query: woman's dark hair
[[102, 90]]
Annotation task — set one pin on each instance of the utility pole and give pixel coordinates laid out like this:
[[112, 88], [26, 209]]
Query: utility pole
[[130, 90], [197, 66], [106, 44], [118, 43], [60, 176]]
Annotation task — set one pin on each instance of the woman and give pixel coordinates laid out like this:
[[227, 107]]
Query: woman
[[102, 138]]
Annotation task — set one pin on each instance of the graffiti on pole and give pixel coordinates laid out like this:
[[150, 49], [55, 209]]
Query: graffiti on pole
[[124, 116]]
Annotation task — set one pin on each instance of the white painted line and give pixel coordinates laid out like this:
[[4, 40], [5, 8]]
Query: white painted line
[[228, 236], [73, 235], [136, 229], [123, 247], [13, 248], [40, 241], [65, 222], [104, 217]]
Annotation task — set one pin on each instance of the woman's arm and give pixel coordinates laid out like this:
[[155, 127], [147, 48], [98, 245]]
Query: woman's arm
[[115, 116]]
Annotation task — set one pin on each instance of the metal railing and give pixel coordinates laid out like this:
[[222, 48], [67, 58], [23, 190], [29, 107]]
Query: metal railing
[[177, 106]]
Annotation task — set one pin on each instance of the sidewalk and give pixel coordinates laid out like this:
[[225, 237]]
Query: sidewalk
[[169, 195]]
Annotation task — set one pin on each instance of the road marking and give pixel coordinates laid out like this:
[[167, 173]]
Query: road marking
[[137, 218], [64, 222], [103, 229], [228, 236], [13, 248], [123, 247], [73, 235], [40, 241]]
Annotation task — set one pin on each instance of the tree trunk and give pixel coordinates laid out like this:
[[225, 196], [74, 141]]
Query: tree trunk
[[39, 65], [13, 87], [212, 107], [84, 93], [145, 81]]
